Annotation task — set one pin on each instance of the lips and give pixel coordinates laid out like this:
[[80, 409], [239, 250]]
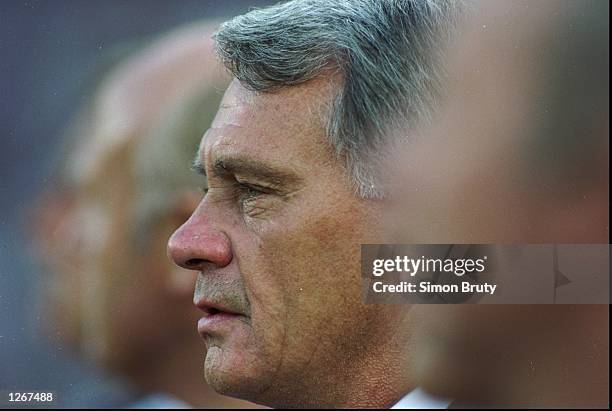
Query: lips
[[217, 316], [212, 308]]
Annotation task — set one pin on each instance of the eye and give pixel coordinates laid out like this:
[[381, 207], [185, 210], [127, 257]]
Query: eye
[[249, 191], [252, 200]]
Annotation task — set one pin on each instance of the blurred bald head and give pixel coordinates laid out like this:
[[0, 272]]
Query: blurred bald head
[[129, 183]]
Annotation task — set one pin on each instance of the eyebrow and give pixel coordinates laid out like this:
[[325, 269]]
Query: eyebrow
[[242, 165]]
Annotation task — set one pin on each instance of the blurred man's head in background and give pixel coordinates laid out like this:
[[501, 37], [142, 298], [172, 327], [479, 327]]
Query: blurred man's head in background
[[126, 185], [518, 152], [518, 155], [294, 160]]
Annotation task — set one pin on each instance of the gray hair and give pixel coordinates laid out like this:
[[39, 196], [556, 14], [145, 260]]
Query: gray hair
[[386, 52]]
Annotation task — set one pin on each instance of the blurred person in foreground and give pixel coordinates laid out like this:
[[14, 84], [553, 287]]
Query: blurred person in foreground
[[293, 161], [518, 155], [124, 187]]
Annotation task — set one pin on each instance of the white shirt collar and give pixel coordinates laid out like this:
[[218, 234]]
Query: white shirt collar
[[418, 398]]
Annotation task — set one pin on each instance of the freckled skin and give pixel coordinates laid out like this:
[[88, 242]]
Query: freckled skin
[[288, 259]]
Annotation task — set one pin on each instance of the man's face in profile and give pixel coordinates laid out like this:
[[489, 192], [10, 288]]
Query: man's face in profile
[[276, 240]]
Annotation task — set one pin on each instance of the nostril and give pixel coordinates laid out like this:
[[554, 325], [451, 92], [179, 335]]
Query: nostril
[[194, 263]]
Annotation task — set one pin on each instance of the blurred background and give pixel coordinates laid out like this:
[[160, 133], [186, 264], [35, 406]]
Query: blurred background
[[54, 56]]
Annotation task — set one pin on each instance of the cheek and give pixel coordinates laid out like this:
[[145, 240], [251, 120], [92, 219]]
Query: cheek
[[255, 350], [266, 287], [301, 272], [304, 284]]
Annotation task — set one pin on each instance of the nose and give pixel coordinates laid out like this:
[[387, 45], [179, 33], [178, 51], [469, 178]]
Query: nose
[[197, 244]]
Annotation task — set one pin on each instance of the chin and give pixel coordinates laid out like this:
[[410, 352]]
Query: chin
[[234, 374]]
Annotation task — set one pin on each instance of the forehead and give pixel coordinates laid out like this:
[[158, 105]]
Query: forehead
[[281, 126]]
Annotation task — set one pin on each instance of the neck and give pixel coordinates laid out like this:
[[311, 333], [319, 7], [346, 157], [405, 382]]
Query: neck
[[381, 377], [374, 373]]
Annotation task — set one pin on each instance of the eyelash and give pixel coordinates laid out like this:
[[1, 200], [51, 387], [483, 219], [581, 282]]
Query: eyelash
[[247, 191]]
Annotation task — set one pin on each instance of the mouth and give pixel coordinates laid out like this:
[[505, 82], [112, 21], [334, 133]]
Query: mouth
[[216, 317]]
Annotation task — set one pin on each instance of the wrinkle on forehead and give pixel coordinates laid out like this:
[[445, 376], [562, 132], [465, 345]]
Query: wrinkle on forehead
[[229, 114], [234, 107], [217, 140], [306, 101], [283, 126]]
